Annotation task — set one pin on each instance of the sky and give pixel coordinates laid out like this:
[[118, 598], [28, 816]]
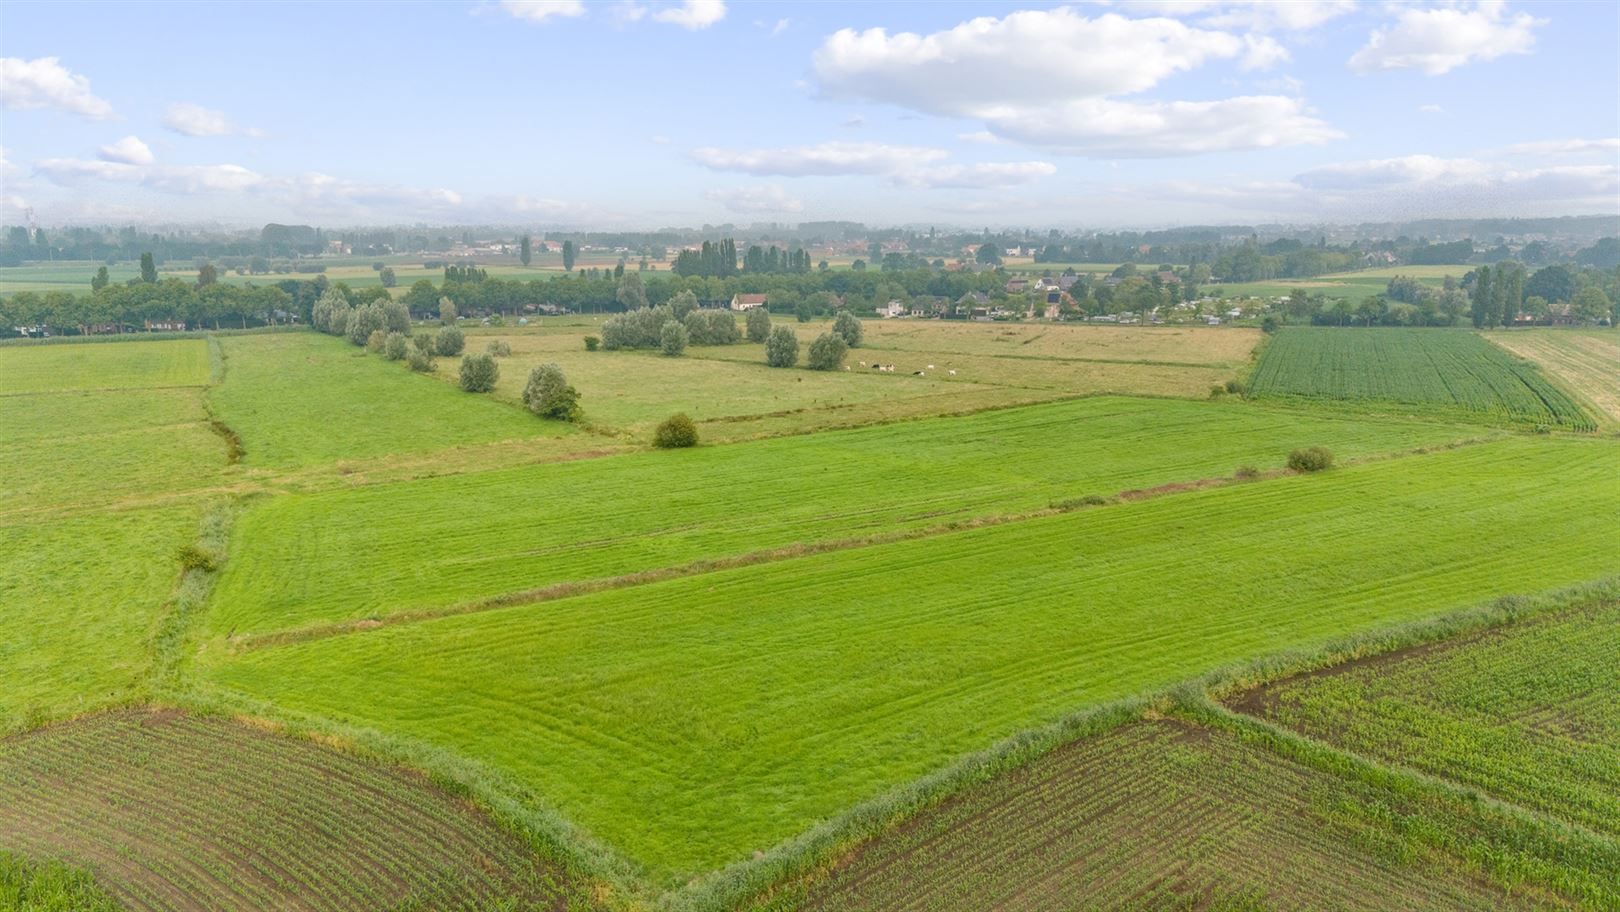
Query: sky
[[651, 113]]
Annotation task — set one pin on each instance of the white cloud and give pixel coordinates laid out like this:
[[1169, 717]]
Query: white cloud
[[761, 198], [979, 136], [1419, 183], [780, 27], [1256, 15], [129, 150], [69, 172], [855, 122], [694, 14], [543, 10], [43, 83], [831, 158], [1390, 172], [1438, 40], [1431, 109], [1048, 77], [190, 119], [1567, 148], [977, 176]]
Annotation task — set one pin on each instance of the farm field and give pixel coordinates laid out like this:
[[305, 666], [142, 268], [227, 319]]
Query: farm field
[[1526, 712], [1169, 815], [92, 366], [439, 543], [1454, 373], [173, 812], [1586, 362], [694, 721]]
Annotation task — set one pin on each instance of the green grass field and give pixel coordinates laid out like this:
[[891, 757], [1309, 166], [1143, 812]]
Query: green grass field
[[1527, 712], [438, 543], [49, 886], [135, 365], [1172, 815], [694, 721], [1450, 372]]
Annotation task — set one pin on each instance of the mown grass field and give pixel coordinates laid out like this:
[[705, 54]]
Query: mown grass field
[[439, 543], [1527, 712], [1586, 362], [172, 812], [134, 365], [1450, 372], [1172, 815], [694, 721]]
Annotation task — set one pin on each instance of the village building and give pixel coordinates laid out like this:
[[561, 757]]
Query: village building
[[747, 301]]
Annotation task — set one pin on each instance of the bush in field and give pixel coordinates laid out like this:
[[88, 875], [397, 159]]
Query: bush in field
[[592, 343], [782, 348], [1310, 459], [363, 321], [331, 312], [479, 373], [1246, 473], [419, 361], [548, 394], [682, 304], [1234, 386], [722, 326], [450, 342], [672, 340], [396, 318], [426, 342], [759, 324], [395, 347], [675, 432], [640, 328], [500, 348], [1269, 324], [848, 326], [374, 342], [827, 352]]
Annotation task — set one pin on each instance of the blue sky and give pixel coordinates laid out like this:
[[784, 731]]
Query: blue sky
[[662, 112]]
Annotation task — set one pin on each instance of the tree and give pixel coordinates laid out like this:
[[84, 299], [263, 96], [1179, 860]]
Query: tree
[[568, 256], [525, 250], [1555, 283], [101, 280], [675, 432], [987, 255], [449, 342], [848, 327], [683, 303], [782, 348], [632, 292], [1483, 298], [548, 394], [148, 269], [396, 318], [422, 297], [759, 324], [395, 347], [362, 322], [1590, 303], [419, 360], [479, 373], [386, 274], [207, 275], [447, 312], [672, 339], [827, 352]]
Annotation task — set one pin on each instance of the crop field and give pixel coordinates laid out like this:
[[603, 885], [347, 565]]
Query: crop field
[[1160, 816], [693, 721], [135, 365], [49, 886], [1527, 712], [442, 542], [1451, 372], [173, 812], [1585, 362], [1170, 345]]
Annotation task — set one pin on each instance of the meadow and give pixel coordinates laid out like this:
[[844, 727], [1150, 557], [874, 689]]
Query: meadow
[[1525, 712], [693, 721], [1447, 372], [137, 365], [1170, 815], [1586, 362]]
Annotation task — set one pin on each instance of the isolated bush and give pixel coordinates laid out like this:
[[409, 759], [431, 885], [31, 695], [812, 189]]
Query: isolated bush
[[1234, 386], [675, 432], [848, 326], [479, 373], [374, 342], [192, 557], [758, 322], [672, 340], [500, 348], [450, 342], [1268, 324], [395, 347], [497, 320], [592, 343], [827, 352], [548, 394], [419, 361], [1217, 391], [1246, 472], [1310, 459], [782, 348], [426, 342]]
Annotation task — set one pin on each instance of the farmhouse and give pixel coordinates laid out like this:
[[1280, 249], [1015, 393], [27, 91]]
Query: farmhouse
[[891, 310], [747, 301], [165, 326]]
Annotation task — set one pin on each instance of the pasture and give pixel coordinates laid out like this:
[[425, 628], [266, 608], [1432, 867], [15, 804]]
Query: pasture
[[89, 366], [1525, 712], [1444, 372], [1587, 362], [694, 721]]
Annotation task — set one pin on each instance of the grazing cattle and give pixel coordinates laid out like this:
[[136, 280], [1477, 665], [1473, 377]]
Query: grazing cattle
[[930, 367], [916, 373], [877, 367], [953, 373], [863, 364]]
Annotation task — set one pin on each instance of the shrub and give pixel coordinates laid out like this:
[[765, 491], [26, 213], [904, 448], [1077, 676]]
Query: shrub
[[479, 373], [374, 342], [450, 342], [827, 352], [497, 320], [396, 317], [672, 339], [849, 327], [682, 303], [419, 361], [500, 348], [1246, 473], [592, 343], [1217, 391], [395, 347], [548, 394], [782, 348], [1310, 459], [447, 312], [194, 558], [1234, 386], [758, 322], [1268, 324], [363, 321], [426, 342], [723, 327], [639, 328], [675, 432]]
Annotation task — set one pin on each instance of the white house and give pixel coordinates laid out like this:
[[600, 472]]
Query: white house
[[892, 309], [747, 301]]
